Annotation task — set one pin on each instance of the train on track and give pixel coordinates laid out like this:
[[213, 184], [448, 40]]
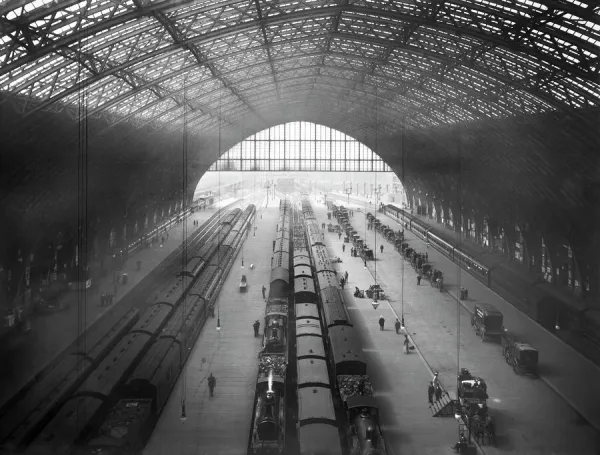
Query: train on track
[[268, 428], [116, 407], [424, 232], [330, 362]]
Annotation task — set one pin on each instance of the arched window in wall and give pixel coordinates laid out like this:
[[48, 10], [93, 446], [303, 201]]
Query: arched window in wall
[[485, 232], [519, 251], [564, 265], [300, 146], [546, 262], [471, 233]]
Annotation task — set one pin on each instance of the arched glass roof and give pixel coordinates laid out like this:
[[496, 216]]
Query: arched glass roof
[[300, 146], [256, 63]]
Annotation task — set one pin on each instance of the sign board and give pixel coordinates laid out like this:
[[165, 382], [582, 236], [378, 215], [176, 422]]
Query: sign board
[[375, 304]]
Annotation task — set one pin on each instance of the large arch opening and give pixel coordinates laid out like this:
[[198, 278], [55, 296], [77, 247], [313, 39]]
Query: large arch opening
[[301, 156]]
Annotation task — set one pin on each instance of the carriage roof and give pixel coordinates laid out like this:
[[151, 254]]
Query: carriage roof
[[309, 346], [307, 310], [312, 371], [319, 439], [315, 403]]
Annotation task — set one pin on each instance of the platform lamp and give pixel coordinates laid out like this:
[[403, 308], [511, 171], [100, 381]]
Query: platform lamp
[[183, 416]]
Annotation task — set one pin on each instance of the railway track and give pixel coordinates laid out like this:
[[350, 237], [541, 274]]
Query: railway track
[[27, 409]]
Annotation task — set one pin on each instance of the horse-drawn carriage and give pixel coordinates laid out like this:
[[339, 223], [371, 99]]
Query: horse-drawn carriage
[[375, 292], [243, 284], [424, 269], [487, 321], [472, 393], [472, 400], [367, 254], [436, 277], [521, 356]]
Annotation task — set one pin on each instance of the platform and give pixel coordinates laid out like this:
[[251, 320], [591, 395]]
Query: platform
[[52, 333], [221, 424], [531, 418], [400, 380]]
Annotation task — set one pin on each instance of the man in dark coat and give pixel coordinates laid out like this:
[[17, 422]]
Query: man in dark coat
[[264, 291], [381, 322], [430, 392], [212, 382], [256, 325], [419, 279], [397, 325]]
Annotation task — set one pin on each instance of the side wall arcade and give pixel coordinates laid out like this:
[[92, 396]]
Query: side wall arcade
[[528, 188]]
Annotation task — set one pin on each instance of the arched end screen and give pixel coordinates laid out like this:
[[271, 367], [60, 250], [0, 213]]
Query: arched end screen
[[300, 146]]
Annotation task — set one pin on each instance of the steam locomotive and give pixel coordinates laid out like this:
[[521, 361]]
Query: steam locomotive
[[268, 422]]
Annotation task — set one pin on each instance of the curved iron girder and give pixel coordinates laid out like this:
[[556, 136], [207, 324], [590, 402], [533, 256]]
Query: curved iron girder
[[427, 54], [411, 85], [177, 37], [373, 13], [391, 110]]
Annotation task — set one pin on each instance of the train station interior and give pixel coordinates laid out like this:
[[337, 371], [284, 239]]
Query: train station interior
[[270, 226]]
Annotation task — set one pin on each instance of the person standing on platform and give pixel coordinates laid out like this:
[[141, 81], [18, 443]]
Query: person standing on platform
[[342, 282], [212, 383], [256, 326], [339, 235], [419, 279], [346, 275], [438, 393], [381, 249], [381, 322], [343, 247], [397, 325], [352, 251], [264, 291], [406, 344]]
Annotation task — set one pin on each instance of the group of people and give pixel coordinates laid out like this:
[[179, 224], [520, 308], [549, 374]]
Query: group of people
[[434, 390], [106, 299]]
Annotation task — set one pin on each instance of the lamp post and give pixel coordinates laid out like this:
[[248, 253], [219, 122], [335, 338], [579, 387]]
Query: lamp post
[[348, 191], [268, 186]]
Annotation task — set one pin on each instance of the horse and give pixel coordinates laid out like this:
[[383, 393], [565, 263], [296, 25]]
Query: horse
[[478, 429], [490, 429]]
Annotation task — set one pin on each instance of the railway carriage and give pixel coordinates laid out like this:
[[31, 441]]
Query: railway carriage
[[317, 432], [304, 290], [334, 308]]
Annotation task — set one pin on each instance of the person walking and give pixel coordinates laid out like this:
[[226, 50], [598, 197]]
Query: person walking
[[342, 283], [436, 380], [212, 382], [381, 322], [264, 292], [419, 279], [381, 249], [343, 247], [346, 275], [339, 235], [256, 326], [397, 325], [406, 344], [430, 392], [351, 251]]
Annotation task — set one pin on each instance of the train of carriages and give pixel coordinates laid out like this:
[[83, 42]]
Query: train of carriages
[[269, 415], [330, 361], [424, 232], [116, 407]]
